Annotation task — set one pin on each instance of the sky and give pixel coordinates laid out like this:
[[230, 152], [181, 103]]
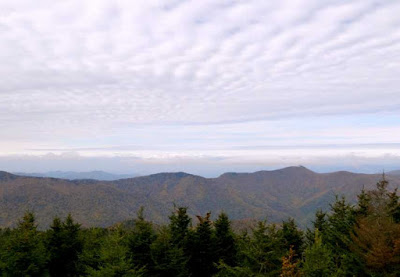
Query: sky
[[199, 86]]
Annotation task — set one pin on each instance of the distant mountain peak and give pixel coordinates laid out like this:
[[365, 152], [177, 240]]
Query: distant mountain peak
[[298, 168], [179, 174], [7, 176], [72, 175]]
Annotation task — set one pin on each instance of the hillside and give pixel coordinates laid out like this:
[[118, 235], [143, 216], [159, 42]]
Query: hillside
[[394, 172], [290, 192]]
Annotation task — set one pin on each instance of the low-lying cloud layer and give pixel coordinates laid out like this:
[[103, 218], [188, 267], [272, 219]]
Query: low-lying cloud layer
[[226, 81]]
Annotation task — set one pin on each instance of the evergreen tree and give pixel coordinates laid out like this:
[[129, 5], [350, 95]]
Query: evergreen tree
[[393, 206], [169, 259], [319, 223], [54, 245], [363, 204], [179, 226], [261, 254], [224, 240], [291, 236], [4, 237], [341, 221], [170, 250], [377, 242], [201, 246], [64, 247], [25, 255], [114, 259], [376, 236], [93, 240], [318, 260], [139, 243]]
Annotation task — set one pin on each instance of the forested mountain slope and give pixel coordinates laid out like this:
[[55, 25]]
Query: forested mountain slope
[[290, 192], [394, 172]]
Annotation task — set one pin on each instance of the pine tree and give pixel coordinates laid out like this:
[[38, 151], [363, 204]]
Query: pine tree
[[201, 244], [377, 242], [64, 246], [226, 250], [179, 226], [114, 259], [393, 206], [363, 203], [170, 250], [341, 221], [25, 254], [4, 238], [318, 259], [169, 259], [376, 236], [93, 240], [139, 243], [54, 245], [319, 223], [291, 236], [261, 253]]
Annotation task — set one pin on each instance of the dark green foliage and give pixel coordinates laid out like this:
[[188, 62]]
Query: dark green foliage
[[93, 240], [24, 253], [363, 204], [113, 257], [225, 244], [139, 243], [170, 250], [201, 246], [291, 236], [318, 259], [169, 258], [394, 206], [320, 223], [337, 236], [179, 226], [260, 254], [64, 246]]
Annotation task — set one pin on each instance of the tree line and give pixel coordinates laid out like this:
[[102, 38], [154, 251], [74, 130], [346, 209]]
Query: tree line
[[347, 240]]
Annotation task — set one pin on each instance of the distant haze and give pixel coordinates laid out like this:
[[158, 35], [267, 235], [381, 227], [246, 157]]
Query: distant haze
[[71, 175], [199, 86]]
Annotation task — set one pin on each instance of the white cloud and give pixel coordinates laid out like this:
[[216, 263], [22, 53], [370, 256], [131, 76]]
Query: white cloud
[[76, 73]]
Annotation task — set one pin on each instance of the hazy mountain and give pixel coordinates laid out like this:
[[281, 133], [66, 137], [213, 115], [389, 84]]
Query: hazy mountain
[[72, 175], [394, 172], [290, 192]]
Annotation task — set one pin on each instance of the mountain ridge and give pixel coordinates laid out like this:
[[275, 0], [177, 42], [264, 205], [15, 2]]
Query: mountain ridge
[[276, 194], [394, 172], [74, 175]]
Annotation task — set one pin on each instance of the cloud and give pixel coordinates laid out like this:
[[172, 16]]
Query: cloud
[[159, 74]]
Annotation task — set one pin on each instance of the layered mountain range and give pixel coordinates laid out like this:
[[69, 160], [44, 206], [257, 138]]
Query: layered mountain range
[[72, 175], [273, 195]]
